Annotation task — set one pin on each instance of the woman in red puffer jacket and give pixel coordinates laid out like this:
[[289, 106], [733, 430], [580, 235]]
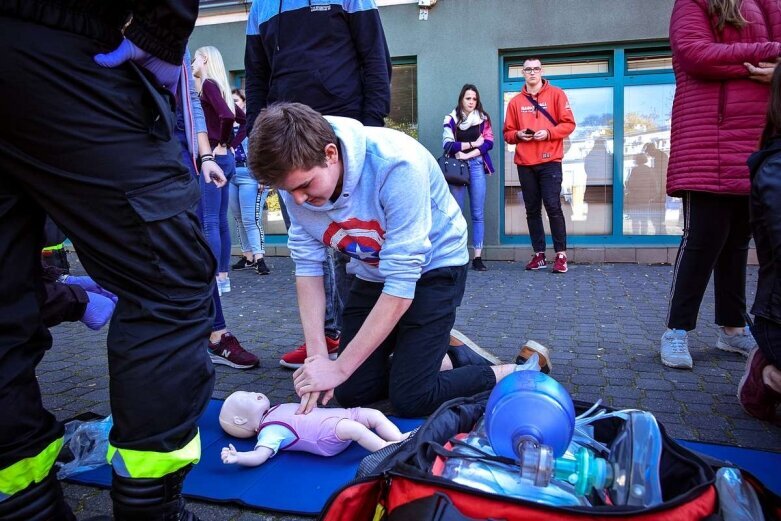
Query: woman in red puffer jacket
[[718, 114]]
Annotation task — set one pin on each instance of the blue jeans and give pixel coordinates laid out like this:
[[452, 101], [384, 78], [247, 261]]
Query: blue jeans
[[541, 184], [187, 159], [476, 199], [245, 203], [215, 213]]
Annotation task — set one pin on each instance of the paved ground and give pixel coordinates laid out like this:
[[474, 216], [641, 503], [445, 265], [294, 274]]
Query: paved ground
[[603, 322]]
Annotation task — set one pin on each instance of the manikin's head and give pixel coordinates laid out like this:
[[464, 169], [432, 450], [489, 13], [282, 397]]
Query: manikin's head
[[241, 413]]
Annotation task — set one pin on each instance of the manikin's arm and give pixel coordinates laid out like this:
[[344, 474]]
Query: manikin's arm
[[253, 458]]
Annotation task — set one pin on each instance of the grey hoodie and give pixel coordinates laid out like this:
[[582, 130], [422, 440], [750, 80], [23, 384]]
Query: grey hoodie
[[395, 216]]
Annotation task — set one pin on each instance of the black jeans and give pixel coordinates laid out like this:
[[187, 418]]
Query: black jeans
[[541, 184], [411, 378], [768, 336], [716, 234], [92, 147]]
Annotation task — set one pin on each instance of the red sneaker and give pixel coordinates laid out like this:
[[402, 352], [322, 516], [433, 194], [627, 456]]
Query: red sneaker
[[756, 398], [560, 263], [537, 262], [295, 358], [228, 351]]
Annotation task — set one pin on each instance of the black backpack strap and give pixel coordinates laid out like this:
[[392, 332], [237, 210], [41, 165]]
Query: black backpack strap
[[542, 110]]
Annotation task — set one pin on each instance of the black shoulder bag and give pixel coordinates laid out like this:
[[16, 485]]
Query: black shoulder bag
[[456, 171], [541, 110]]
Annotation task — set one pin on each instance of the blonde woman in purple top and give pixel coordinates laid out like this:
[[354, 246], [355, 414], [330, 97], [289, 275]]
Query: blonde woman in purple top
[[220, 113]]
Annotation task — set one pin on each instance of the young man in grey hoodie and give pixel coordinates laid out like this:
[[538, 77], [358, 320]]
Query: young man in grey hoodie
[[378, 196]]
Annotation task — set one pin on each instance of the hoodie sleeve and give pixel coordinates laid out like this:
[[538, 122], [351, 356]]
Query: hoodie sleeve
[[565, 118], [257, 68], [372, 50], [307, 252], [195, 102], [406, 197], [511, 123], [701, 56], [162, 28]]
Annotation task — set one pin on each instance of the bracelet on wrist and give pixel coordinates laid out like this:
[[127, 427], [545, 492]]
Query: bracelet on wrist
[[204, 159]]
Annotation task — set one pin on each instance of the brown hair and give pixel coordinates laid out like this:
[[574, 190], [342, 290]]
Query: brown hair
[[773, 118], [240, 94], [727, 12], [478, 105], [287, 137]]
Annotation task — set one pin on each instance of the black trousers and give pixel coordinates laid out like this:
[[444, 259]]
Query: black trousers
[[92, 148], [716, 235], [411, 378], [541, 185]]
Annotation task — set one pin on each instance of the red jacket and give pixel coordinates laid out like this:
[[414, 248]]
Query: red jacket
[[718, 113], [521, 114]]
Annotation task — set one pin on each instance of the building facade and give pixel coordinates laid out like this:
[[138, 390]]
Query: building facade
[[612, 58]]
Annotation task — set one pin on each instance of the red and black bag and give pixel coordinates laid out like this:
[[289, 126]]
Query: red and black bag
[[396, 483]]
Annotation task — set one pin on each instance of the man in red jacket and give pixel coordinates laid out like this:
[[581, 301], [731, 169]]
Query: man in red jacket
[[537, 121]]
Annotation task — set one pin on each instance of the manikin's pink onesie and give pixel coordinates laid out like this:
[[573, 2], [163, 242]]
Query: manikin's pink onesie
[[281, 428]]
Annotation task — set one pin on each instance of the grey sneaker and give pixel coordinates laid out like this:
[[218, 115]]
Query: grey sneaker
[[675, 349], [742, 344]]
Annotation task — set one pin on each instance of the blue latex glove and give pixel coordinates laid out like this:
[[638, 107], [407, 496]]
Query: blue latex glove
[[166, 74], [90, 285], [98, 312]]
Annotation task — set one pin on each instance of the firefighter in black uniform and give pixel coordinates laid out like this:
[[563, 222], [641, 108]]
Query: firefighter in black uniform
[[91, 146]]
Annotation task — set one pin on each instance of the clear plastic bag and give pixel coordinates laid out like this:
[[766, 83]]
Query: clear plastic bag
[[737, 498], [85, 446]]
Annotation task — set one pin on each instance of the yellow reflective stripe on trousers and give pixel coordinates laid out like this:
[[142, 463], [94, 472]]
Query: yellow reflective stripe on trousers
[[148, 464], [55, 247], [24, 473]]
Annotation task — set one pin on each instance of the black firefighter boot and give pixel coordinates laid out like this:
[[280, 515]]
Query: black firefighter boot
[[150, 499], [39, 502]]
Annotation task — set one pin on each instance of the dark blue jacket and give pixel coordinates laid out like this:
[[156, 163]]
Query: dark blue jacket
[[765, 167], [328, 54]]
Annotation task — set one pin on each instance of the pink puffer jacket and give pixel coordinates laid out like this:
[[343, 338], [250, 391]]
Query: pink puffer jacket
[[718, 113]]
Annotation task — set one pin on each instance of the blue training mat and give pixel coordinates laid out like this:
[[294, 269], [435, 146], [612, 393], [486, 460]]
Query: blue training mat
[[291, 482], [762, 464], [300, 483]]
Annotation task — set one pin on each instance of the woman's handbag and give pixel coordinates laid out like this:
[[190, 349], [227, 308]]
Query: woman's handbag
[[456, 171]]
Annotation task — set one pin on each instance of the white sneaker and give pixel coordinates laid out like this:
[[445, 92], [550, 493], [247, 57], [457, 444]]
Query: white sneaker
[[742, 343], [675, 349]]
